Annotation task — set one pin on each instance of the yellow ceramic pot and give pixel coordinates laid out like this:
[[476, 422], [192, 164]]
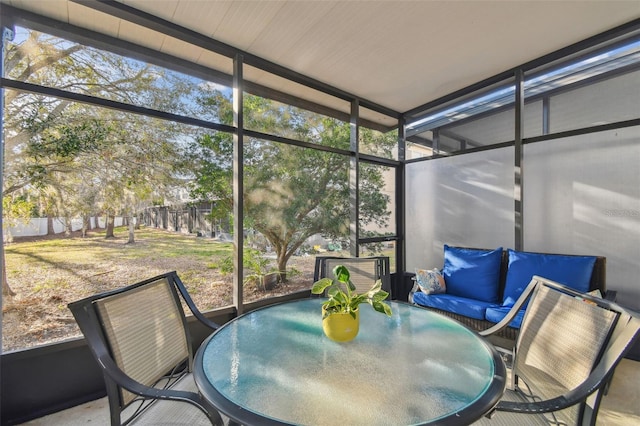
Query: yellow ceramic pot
[[341, 327]]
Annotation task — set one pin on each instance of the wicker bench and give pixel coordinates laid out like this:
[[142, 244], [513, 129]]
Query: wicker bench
[[508, 335]]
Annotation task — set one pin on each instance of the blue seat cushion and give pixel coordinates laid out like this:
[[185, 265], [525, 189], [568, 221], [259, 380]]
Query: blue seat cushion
[[496, 314], [472, 273], [572, 271], [471, 308]]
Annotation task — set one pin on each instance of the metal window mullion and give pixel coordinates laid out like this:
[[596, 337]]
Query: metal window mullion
[[238, 182], [401, 179], [518, 161], [546, 115], [354, 179]]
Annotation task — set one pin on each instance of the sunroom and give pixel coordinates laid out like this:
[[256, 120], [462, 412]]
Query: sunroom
[[282, 131]]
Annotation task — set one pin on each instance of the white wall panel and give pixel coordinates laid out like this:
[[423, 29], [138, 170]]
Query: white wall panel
[[582, 196], [465, 200]]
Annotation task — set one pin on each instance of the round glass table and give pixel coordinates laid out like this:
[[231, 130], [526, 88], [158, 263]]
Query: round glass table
[[274, 365]]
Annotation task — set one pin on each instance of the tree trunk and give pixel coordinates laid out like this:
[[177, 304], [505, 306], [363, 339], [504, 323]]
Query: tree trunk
[[6, 290], [282, 264], [50, 230], [86, 224], [131, 231], [67, 226], [110, 223]]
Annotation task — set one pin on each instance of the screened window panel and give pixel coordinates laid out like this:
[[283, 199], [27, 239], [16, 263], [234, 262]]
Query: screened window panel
[[118, 78], [465, 200], [380, 144], [289, 192], [377, 200], [487, 130], [582, 196], [499, 127], [608, 101], [385, 248], [419, 150], [448, 144]]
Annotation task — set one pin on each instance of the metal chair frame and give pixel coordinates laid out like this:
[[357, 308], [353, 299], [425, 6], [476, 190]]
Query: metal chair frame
[[588, 394], [118, 382], [382, 268]]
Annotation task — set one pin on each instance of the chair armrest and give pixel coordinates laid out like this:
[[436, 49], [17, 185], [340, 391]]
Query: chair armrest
[[512, 312], [192, 306]]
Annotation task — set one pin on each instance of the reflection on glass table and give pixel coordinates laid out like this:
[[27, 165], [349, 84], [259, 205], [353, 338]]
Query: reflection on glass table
[[274, 365]]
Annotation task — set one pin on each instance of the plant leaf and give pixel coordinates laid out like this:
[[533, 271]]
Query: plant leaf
[[379, 296], [320, 285], [341, 273], [357, 300], [376, 288], [341, 298], [381, 307]]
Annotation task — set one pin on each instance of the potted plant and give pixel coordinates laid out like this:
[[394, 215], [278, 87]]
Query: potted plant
[[340, 313], [256, 266], [264, 276]]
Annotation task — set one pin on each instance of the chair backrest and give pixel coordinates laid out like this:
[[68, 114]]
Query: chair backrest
[[563, 336], [145, 330], [364, 271], [141, 329]]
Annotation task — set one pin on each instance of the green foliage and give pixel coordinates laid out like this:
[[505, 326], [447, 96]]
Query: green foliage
[[290, 193], [343, 297], [17, 208], [80, 160], [252, 260], [66, 140]]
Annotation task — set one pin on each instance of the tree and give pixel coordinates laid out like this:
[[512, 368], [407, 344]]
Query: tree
[[45, 135], [290, 193], [92, 159]]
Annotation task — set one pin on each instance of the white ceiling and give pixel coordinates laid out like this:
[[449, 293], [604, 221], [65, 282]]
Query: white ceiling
[[399, 54]]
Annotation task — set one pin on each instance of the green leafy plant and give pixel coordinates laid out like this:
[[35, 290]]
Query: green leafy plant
[[343, 297], [258, 266]]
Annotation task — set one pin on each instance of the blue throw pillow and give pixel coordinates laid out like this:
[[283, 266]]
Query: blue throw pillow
[[472, 273], [572, 271]]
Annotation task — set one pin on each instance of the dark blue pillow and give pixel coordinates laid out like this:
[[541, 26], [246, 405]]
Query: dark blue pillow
[[572, 271], [496, 314], [472, 273]]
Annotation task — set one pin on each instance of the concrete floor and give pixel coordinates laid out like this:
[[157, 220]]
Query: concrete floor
[[621, 407]]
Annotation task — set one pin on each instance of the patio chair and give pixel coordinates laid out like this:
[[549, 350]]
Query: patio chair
[[566, 352], [139, 336], [364, 271]]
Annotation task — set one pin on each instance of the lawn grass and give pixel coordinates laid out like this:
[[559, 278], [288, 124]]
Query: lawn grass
[[47, 273]]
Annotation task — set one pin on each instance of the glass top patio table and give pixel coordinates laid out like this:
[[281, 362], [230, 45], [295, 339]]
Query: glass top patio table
[[274, 365]]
